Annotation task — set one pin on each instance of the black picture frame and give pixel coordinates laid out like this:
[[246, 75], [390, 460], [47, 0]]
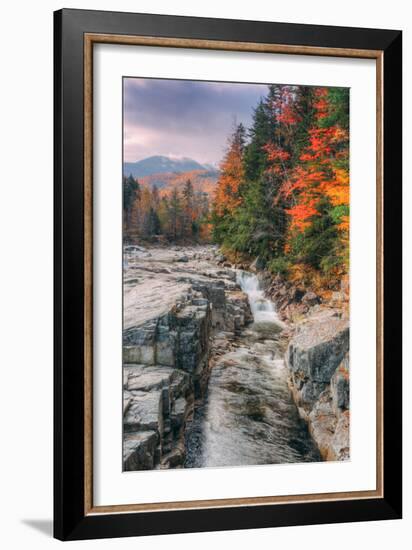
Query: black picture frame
[[70, 520]]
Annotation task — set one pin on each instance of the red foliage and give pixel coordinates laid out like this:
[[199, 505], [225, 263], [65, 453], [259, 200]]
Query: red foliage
[[287, 115], [320, 171], [321, 104], [275, 153], [301, 214], [285, 108]]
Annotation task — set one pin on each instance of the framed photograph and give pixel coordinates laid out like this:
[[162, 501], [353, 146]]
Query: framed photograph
[[227, 274]]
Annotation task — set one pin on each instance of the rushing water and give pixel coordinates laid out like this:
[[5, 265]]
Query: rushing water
[[263, 310], [248, 416]]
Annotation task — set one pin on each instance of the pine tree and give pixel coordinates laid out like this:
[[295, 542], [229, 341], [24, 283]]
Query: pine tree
[[255, 156], [188, 208], [131, 195], [155, 199], [151, 223], [163, 213], [289, 204], [174, 212]]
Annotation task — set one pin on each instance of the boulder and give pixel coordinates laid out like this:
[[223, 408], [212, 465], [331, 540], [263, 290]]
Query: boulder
[[166, 341], [314, 354], [143, 378], [139, 450], [310, 299], [139, 343], [330, 429], [340, 443], [258, 264], [337, 299], [144, 411], [178, 413], [339, 385], [296, 295], [181, 385], [322, 423], [173, 459], [192, 325], [156, 400], [318, 361]]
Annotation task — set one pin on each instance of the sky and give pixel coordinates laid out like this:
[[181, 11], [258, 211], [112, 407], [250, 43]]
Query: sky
[[181, 118]]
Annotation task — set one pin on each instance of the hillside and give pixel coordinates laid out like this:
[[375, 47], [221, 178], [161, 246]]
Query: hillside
[[202, 180]]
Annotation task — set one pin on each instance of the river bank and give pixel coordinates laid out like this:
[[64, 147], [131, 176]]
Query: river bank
[[205, 382]]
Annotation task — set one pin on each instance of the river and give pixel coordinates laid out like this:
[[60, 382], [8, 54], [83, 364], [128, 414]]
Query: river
[[248, 416]]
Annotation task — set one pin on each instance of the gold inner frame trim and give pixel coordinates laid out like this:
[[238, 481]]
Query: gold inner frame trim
[[93, 38]]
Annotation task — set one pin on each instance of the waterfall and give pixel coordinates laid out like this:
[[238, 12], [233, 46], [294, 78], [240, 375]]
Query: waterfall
[[263, 310]]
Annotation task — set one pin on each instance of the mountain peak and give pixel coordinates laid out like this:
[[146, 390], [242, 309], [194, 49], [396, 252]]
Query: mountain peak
[[160, 164]]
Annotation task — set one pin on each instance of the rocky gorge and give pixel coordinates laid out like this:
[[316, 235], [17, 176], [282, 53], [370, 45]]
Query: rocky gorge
[[218, 371], [317, 358], [172, 304]]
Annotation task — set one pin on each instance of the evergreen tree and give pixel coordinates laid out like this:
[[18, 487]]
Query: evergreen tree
[[318, 245], [131, 194], [163, 213], [290, 202], [155, 199], [151, 223], [255, 156], [188, 208], [259, 223], [175, 209]]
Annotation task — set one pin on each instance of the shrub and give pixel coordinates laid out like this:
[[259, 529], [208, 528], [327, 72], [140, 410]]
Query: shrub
[[279, 266]]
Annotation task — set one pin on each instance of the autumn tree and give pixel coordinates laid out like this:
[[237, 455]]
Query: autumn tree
[[228, 195], [289, 203], [318, 187]]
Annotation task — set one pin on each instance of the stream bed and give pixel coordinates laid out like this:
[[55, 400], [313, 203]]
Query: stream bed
[[248, 416]]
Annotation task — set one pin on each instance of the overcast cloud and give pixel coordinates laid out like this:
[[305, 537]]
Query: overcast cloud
[[184, 118]]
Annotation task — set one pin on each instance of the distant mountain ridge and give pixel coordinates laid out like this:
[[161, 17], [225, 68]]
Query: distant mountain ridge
[[161, 165], [203, 181]]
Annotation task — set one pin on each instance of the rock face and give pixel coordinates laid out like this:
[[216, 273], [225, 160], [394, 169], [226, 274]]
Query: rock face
[[318, 360], [169, 317], [292, 302], [176, 339]]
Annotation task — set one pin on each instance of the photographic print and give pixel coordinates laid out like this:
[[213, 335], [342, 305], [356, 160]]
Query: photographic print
[[235, 274], [227, 274]]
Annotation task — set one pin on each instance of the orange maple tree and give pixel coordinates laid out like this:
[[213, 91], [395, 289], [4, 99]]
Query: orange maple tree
[[227, 195], [322, 170]]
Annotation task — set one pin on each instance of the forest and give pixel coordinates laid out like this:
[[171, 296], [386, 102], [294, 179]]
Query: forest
[[283, 191], [282, 194], [177, 213]]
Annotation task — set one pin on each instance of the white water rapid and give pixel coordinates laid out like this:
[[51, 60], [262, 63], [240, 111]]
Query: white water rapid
[[263, 310]]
